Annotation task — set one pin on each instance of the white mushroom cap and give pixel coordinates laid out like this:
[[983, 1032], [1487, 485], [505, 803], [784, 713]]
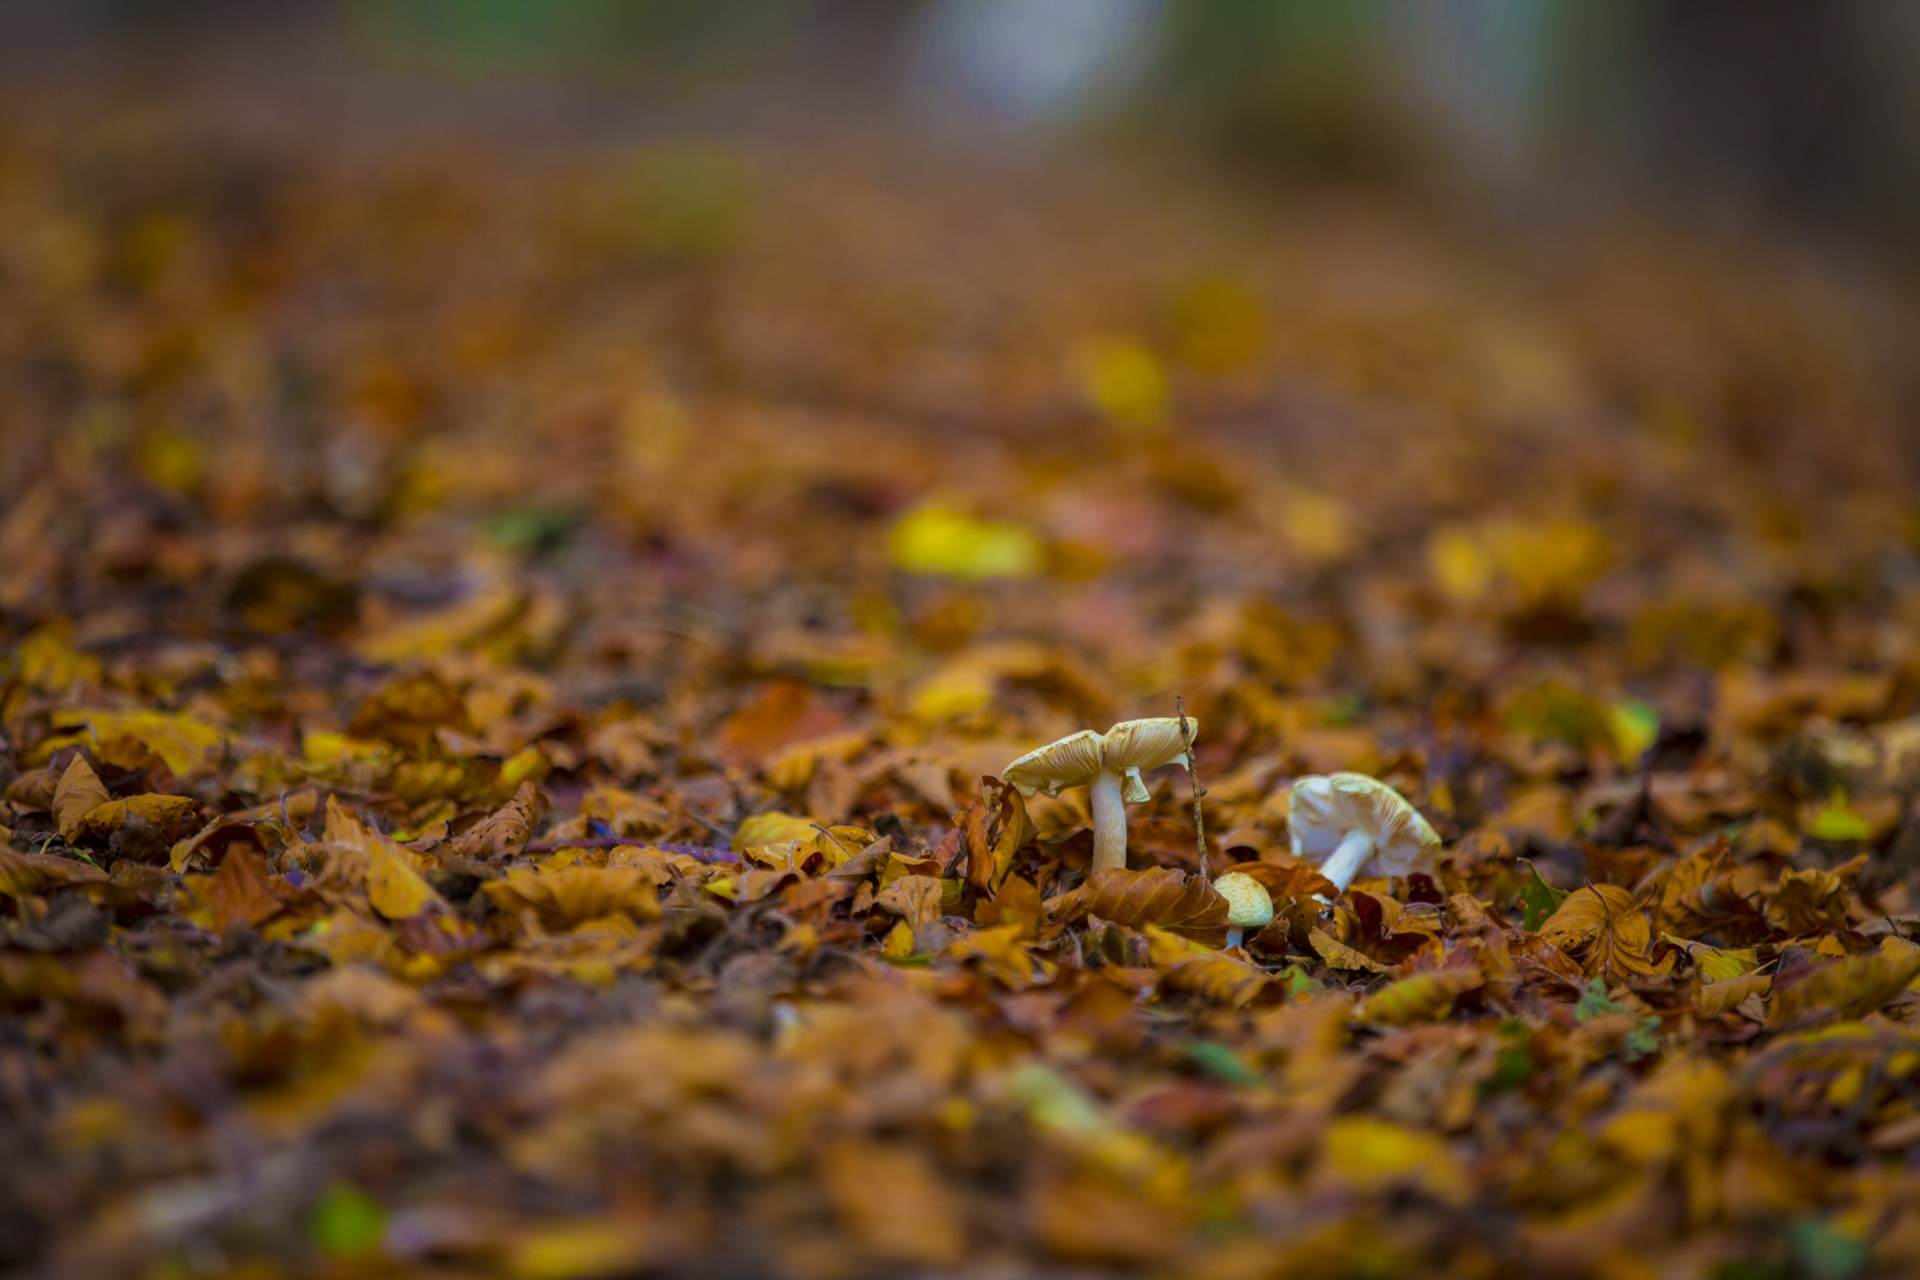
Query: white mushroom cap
[[1323, 810], [1249, 905]]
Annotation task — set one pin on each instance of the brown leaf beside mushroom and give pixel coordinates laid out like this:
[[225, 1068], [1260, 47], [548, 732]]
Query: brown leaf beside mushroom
[[1182, 904]]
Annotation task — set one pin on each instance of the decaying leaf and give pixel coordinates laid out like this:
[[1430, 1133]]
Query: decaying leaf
[[1608, 930], [504, 831]]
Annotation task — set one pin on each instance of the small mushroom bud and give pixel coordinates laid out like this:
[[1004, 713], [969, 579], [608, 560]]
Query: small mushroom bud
[[1249, 905], [1109, 766], [1349, 824]]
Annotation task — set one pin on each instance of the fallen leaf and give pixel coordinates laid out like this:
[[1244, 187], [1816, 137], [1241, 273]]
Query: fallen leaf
[[1338, 955], [1163, 897], [572, 896], [504, 831], [78, 793], [1423, 997]]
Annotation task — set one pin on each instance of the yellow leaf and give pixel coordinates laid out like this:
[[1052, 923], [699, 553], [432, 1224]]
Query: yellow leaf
[[771, 828], [1425, 997], [183, 742], [1201, 971], [574, 895], [577, 1251], [1851, 988], [1716, 964], [935, 539], [394, 888], [77, 794], [175, 817], [1124, 380], [1374, 1155], [1720, 996]]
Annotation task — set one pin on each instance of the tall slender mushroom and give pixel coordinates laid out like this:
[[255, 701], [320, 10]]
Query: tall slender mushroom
[[1349, 824], [1249, 905], [1109, 766]]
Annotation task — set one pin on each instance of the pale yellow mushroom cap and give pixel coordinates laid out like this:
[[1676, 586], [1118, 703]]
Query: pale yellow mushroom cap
[[1077, 759], [1323, 809], [1073, 761], [1249, 905], [1133, 745]]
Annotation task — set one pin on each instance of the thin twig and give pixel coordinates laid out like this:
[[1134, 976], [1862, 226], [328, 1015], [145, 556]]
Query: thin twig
[[1193, 776]]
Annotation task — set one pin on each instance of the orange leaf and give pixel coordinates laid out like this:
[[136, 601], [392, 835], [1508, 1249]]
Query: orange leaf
[[237, 891]]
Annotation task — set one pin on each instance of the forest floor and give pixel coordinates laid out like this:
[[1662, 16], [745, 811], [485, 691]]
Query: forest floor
[[509, 661]]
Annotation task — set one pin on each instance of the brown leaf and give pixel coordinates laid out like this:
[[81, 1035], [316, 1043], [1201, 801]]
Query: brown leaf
[[1610, 931], [995, 830], [505, 831], [1338, 955], [1812, 901], [1539, 959], [1201, 971], [785, 713], [237, 891], [1701, 895], [22, 874], [893, 1202], [915, 899], [174, 817], [77, 794], [1287, 877], [1172, 900]]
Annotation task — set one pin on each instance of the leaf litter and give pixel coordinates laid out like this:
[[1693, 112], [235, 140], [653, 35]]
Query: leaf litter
[[544, 817]]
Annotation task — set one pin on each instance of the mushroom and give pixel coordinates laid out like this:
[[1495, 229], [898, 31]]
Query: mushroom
[[1249, 905], [1109, 766], [1348, 823]]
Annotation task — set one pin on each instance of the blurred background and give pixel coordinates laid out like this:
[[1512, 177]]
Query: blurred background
[[1809, 114]]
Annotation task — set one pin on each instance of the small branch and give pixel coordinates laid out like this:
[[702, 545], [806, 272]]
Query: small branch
[[1193, 776]]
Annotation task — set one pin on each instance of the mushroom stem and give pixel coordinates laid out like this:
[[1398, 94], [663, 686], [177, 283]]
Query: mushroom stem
[[1233, 937], [1354, 849], [1109, 822]]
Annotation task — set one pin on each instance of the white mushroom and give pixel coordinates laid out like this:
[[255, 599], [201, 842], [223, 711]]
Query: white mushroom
[[1109, 766], [1249, 905], [1349, 824]]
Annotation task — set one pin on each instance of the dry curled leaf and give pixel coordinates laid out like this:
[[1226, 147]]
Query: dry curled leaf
[[995, 829], [504, 831], [1339, 955]]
